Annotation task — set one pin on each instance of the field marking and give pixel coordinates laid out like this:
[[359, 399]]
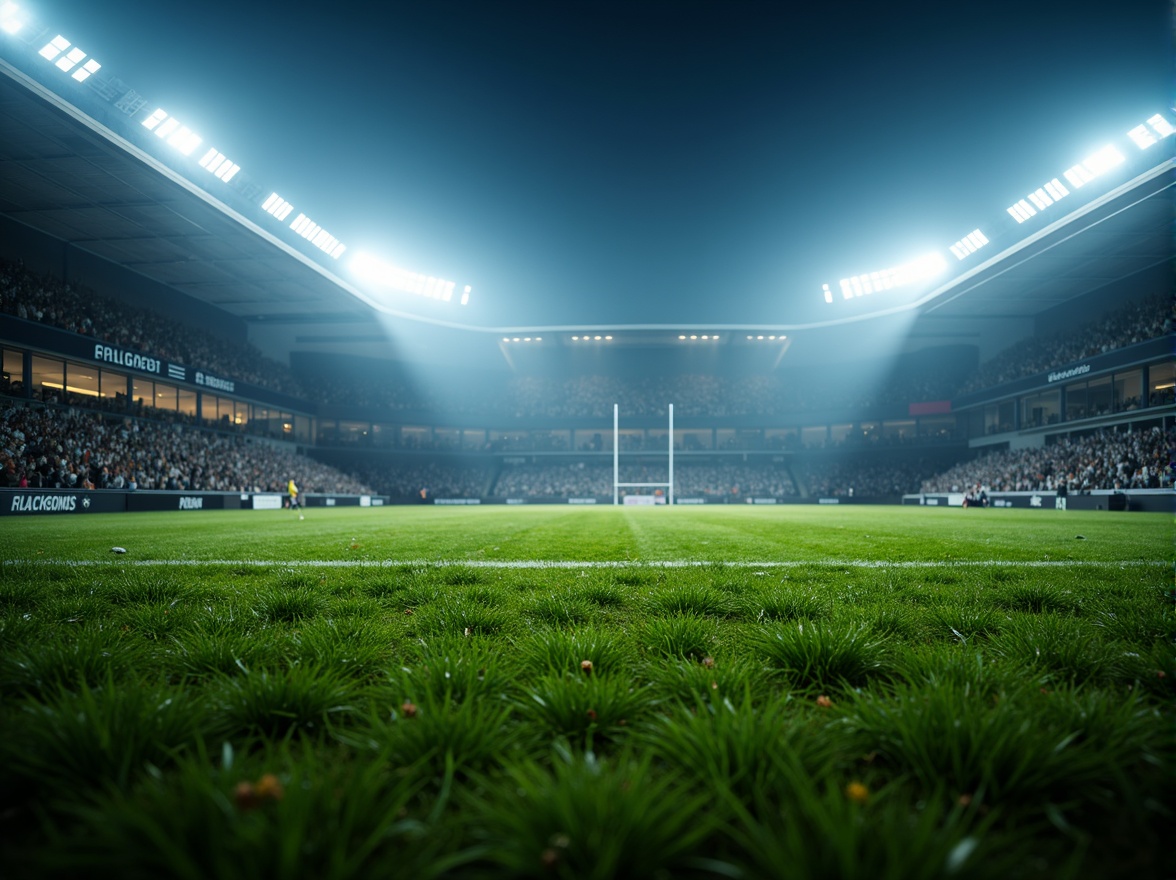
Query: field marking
[[564, 564]]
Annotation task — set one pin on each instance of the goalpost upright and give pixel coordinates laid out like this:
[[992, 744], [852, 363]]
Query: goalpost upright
[[617, 484]]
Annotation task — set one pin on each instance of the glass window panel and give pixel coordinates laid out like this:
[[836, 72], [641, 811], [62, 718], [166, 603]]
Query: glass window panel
[[931, 427], [692, 441], [413, 437], [1100, 396], [81, 381], [813, 437], [48, 377], [781, 438], [1076, 401], [187, 402], [354, 433], [13, 368], [113, 387], [447, 438], [1161, 389], [142, 393], [474, 439], [166, 396], [1128, 390], [1039, 410]]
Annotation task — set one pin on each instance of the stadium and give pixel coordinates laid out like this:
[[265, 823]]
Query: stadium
[[567, 595]]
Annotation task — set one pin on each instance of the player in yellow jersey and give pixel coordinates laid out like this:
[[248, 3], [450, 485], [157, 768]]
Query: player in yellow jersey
[[292, 492]]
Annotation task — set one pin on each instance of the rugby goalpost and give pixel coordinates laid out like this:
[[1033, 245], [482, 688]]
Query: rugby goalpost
[[617, 484]]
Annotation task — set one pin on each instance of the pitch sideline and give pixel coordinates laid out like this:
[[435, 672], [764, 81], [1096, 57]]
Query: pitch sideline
[[521, 564]]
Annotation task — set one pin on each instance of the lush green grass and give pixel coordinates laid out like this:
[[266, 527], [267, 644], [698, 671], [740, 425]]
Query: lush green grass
[[820, 692]]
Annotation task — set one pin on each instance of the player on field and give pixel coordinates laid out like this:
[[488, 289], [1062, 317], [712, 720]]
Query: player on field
[[292, 492]]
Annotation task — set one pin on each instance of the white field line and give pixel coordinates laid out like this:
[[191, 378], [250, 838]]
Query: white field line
[[586, 564]]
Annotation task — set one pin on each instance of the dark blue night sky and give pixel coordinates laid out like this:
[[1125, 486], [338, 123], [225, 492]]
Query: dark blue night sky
[[642, 162]]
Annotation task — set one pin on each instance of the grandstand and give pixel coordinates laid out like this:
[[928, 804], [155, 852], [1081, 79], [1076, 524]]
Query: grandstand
[[137, 288]]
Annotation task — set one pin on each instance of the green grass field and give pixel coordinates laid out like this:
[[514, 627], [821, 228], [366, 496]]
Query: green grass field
[[794, 691]]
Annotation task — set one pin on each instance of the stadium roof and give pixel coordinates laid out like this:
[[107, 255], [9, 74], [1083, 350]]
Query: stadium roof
[[67, 176]]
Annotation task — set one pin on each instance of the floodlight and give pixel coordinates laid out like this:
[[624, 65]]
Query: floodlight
[[1160, 125], [538, 338], [277, 206], [575, 339], [683, 337], [1142, 136], [749, 338], [185, 140], [1104, 160], [828, 295], [54, 48], [10, 18], [597, 338], [87, 70], [704, 336], [465, 295], [969, 244], [70, 59], [378, 272], [154, 119], [1056, 190], [165, 128], [770, 338], [1078, 176], [215, 162], [1021, 211], [1040, 199], [759, 337], [608, 338]]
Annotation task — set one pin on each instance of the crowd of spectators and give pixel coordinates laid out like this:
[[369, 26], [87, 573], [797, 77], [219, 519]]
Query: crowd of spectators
[[425, 480], [57, 447], [48, 300], [854, 478], [1129, 324], [729, 481], [1104, 460]]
